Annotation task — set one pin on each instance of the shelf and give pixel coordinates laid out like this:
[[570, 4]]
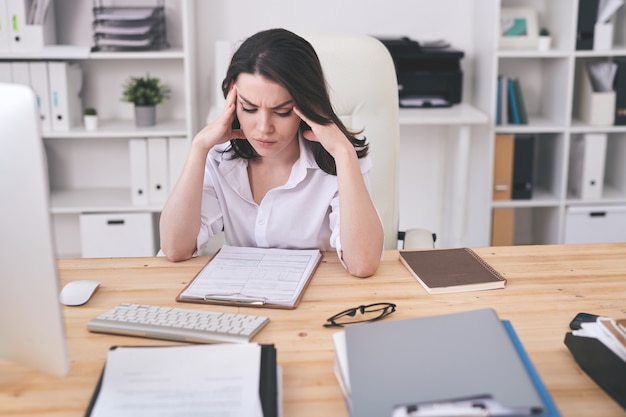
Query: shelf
[[602, 53], [459, 114], [161, 54], [579, 126], [50, 53], [530, 53], [71, 53], [99, 200], [535, 125], [122, 129], [541, 198]]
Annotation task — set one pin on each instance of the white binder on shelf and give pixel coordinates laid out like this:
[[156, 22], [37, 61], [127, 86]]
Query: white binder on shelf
[[31, 24], [138, 152], [586, 170], [176, 153], [157, 170], [20, 73], [41, 87], [4, 28], [65, 85]]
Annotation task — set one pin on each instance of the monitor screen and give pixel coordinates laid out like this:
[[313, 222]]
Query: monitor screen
[[31, 320]]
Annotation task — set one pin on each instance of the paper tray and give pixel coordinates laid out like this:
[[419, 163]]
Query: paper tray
[[601, 364]]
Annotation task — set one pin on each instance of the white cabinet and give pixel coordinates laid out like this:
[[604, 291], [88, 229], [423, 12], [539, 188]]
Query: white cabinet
[[90, 170], [552, 91]]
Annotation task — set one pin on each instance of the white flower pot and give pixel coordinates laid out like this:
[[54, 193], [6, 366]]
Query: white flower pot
[[544, 43], [91, 122]]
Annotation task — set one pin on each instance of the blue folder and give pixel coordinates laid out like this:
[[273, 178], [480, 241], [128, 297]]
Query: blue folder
[[550, 407]]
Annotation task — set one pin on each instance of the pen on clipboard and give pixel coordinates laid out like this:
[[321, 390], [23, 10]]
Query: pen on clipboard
[[235, 299]]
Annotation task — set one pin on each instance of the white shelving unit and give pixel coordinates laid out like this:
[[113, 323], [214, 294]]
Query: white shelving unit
[[549, 82], [450, 152], [90, 170]]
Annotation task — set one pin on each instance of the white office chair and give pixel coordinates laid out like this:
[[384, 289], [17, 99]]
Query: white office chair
[[364, 91]]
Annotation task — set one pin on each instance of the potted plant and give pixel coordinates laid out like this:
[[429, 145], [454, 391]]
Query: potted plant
[[545, 40], [145, 93], [90, 118]]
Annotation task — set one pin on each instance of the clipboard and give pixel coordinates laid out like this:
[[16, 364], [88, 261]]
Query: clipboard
[[253, 277]]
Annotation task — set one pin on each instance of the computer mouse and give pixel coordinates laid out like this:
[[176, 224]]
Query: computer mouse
[[76, 293]]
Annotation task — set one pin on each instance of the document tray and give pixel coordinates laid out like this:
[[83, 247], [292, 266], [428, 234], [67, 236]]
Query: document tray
[[601, 364]]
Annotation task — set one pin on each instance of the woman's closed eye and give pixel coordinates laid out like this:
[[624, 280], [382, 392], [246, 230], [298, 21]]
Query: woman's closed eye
[[284, 113]]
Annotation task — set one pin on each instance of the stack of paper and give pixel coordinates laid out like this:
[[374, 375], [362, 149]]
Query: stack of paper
[[392, 367]]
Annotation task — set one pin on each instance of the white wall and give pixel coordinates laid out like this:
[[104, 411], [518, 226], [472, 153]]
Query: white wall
[[423, 150]]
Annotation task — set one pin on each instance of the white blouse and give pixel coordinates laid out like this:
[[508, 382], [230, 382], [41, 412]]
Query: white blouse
[[301, 214]]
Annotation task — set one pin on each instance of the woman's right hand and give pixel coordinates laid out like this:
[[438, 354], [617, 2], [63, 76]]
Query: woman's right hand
[[220, 130]]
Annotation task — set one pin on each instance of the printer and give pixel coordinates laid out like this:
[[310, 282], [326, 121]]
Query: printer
[[429, 74]]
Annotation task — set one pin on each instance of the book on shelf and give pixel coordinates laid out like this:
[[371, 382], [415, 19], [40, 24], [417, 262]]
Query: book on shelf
[[451, 270], [520, 101], [503, 99], [513, 107], [389, 368], [510, 105], [503, 226], [523, 167], [503, 166]]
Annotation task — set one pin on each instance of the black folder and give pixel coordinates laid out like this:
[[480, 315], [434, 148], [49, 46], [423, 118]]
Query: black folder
[[523, 165], [268, 383], [603, 366], [619, 86], [587, 16]]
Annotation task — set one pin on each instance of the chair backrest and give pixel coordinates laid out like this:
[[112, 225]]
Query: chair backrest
[[364, 92]]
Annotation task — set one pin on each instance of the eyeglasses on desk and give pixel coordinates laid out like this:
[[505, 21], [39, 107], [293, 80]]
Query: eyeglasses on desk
[[370, 312]]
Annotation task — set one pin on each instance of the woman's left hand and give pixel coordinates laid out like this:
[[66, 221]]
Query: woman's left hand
[[329, 136]]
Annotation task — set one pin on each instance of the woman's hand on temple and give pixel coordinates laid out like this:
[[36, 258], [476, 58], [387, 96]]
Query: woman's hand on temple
[[220, 130], [329, 136]]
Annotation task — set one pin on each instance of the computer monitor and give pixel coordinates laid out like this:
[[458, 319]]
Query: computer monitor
[[32, 332]]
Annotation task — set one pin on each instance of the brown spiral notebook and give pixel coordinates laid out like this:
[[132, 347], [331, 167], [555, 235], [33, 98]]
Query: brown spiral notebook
[[451, 270]]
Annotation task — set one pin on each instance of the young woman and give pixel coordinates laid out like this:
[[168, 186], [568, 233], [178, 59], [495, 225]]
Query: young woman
[[277, 168]]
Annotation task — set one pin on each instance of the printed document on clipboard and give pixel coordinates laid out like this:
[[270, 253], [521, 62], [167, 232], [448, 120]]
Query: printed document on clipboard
[[254, 277]]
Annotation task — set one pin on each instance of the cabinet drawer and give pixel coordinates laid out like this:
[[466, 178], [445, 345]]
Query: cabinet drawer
[[595, 224], [117, 235]]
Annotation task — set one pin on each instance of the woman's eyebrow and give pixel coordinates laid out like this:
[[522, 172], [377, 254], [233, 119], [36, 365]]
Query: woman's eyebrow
[[248, 102]]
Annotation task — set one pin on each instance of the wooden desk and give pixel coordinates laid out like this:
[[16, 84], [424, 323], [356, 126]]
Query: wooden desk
[[547, 286]]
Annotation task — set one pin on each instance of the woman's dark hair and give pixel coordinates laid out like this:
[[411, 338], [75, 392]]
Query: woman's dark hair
[[289, 60]]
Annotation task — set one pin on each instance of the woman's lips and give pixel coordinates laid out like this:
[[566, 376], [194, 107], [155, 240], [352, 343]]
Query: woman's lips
[[264, 142]]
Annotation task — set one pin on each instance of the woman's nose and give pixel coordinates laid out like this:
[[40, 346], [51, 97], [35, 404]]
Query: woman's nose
[[264, 123]]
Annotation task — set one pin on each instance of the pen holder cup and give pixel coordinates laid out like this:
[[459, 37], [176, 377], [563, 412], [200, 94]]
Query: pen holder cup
[[603, 36]]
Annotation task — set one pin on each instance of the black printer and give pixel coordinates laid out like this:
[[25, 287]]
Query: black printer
[[429, 75]]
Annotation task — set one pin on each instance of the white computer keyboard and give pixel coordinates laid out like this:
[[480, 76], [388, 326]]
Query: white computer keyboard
[[178, 324]]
